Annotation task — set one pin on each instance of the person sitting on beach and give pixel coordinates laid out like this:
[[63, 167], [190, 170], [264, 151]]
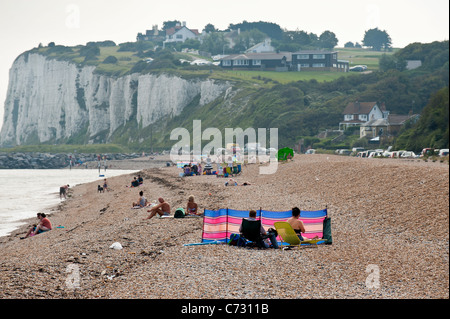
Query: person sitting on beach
[[192, 207], [162, 209], [140, 180], [297, 224], [63, 191], [264, 234], [44, 225], [142, 201], [208, 168], [187, 170], [134, 182], [195, 169]]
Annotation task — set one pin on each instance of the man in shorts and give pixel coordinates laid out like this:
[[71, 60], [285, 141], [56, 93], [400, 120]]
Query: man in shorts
[[162, 209]]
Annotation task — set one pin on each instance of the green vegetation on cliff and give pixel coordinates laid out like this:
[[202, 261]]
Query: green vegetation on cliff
[[299, 104]]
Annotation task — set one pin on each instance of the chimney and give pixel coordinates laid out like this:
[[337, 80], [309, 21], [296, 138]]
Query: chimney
[[183, 24]]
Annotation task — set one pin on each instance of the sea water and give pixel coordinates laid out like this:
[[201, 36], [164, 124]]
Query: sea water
[[25, 192]]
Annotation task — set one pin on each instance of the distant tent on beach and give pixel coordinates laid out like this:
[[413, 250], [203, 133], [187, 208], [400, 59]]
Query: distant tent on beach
[[283, 153]]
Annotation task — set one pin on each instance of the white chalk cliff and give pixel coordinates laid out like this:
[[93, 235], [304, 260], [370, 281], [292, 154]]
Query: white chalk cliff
[[50, 100]]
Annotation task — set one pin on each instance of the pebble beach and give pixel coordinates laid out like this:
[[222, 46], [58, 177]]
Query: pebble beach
[[389, 220]]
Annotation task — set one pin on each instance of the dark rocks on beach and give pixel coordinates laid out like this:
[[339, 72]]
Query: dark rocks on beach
[[52, 161]]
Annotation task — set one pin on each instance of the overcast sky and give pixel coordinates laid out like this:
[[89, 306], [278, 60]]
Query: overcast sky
[[26, 23]]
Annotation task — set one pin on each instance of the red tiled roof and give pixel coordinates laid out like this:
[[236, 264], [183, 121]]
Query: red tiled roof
[[172, 30]]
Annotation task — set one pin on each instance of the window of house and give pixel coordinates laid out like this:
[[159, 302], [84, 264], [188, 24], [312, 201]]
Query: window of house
[[304, 65], [226, 62], [303, 56], [363, 117], [241, 62], [334, 56], [179, 36], [318, 56], [256, 62], [318, 65]]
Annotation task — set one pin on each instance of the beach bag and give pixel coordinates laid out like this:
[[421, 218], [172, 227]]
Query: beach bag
[[237, 240], [179, 213]]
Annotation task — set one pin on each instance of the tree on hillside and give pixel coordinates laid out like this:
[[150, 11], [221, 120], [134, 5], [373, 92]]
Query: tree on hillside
[[327, 40], [210, 28], [170, 24], [214, 42], [377, 39], [273, 30], [433, 55], [389, 62], [432, 128], [248, 39], [296, 40]]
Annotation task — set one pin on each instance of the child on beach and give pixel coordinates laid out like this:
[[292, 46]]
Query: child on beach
[[43, 226]]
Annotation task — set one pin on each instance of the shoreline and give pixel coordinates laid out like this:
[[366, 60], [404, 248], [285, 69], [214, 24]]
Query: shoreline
[[44, 198], [376, 206]]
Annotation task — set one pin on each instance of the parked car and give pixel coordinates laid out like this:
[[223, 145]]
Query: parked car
[[443, 152], [345, 152], [376, 154], [387, 154], [311, 151], [362, 154], [429, 152], [408, 154], [357, 68]]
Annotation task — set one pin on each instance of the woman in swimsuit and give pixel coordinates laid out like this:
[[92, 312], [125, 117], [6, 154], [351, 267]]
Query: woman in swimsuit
[[296, 223], [192, 207]]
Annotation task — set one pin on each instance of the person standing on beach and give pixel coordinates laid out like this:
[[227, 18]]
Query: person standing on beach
[[63, 191], [163, 209], [230, 163], [44, 225]]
